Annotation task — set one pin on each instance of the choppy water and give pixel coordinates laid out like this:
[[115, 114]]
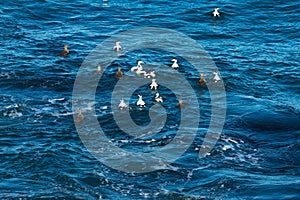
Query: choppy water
[[255, 45]]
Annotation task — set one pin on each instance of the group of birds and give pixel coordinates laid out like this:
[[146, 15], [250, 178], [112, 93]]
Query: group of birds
[[140, 71]]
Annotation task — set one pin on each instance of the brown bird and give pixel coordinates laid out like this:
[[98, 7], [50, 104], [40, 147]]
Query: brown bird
[[65, 51], [79, 116], [201, 81], [119, 73]]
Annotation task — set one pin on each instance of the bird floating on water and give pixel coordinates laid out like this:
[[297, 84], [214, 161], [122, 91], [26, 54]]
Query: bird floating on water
[[117, 47], [175, 64], [122, 104], [216, 13], [140, 102], [153, 85], [99, 70], [180, 103], [158, 98], [216, 77], [150, 74], [119, 74], [65, 51], [201, 81], [138, 67], [79, 116]]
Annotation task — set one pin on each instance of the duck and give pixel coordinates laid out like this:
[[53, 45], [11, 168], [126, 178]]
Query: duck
[[79, 118], [140, 102], [117, 47], [119, 74], [175, 64], [216, 13], [180, 103], [99, 70], [158, 99], [122, 104], [151, 74], [153, 85], [138, 67], [216, 77], [65, 51], [201, 81]]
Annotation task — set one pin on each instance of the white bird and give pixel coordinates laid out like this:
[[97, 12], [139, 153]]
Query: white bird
[[153, 85], [140, 71], [140, 102], [122, 104], [216, 77], [117, 47], [150, 74], [216, 12], [138, 67], [99, 70], [158, 98], [175, 65]]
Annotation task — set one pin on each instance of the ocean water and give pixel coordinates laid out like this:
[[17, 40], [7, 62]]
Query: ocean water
[[254, 44]]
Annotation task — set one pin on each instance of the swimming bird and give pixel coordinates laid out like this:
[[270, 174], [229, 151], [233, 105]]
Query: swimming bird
[[158, 98], [216, 12], [65, 51], [216, 77], [138, 67], [153, 85], [201, 81], [180, 103], [79, 116], [122, 104], [99, 70], [175, 65], [140, 102], [119, 73], [150, 74], [117, 47]]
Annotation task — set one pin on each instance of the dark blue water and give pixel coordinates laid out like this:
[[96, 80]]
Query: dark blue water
[[255, 45]]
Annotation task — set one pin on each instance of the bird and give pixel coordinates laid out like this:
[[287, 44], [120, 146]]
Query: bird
[[216, 13], [65, 51], [117, 47], [79, 116], [150, 74], [201, 81], [99, 70], [140, 102], [158, 99], [138, 67], [122, 104], [153, 85], [216, 77], [119, 74], [174, 65], [180, 103]]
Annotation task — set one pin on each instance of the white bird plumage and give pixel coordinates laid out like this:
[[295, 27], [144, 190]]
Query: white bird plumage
[[153, 85], [140, 102], [117, 47], [122, 104], [158, 98], [150, 74], [175, 64], [216, 12], [138, 67], [216, 77]]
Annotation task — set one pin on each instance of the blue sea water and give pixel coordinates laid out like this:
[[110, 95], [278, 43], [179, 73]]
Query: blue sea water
[[255, 45]]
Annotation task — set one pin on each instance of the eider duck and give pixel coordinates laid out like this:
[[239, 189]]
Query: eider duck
[[140, 102], [175, 65], [150, 74], [180, 103], [119, 73], [201, 81], [216, 77], [158, 99], [153, 85], [79, 116], [117, 47], [65, 51], [122, 104], [138, 67], [216, 12]]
